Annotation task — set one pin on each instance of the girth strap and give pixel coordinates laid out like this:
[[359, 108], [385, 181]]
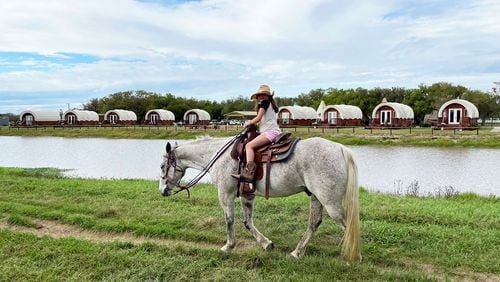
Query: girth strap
[[268, 173]]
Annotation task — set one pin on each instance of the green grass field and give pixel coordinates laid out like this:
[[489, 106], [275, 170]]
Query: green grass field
[[484, 138], [54, 228]]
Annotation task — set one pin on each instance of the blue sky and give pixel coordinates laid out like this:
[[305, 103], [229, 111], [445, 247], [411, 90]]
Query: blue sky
[[59, 52]]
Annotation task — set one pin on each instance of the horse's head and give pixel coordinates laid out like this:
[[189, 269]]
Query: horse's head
[[171, 171]]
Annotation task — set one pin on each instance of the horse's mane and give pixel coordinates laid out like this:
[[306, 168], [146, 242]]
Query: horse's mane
[[203, 139]]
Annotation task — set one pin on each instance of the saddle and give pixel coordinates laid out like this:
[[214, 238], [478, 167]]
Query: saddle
[[280, 149]]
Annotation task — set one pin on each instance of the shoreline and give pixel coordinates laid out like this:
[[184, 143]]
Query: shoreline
[[421, 137]]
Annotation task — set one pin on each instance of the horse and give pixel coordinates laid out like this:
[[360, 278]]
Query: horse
[[325, 170]]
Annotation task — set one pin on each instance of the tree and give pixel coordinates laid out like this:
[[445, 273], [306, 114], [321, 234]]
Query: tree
[[484, 102]]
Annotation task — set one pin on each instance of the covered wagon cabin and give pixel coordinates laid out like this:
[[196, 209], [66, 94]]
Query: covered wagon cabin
[[81, 117], [296, 115], [195, 117], [120, 117], [458, 113], [159, 117], [39, 118], [341, 115], [394, 115]]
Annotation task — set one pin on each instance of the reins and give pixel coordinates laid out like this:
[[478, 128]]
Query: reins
[[205, 170]]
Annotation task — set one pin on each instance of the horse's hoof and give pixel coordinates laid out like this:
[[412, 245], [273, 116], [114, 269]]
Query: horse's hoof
[[295, 254], [226, 248], [269, 246]]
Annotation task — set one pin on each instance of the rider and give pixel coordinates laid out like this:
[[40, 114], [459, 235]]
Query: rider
[[268, 125]]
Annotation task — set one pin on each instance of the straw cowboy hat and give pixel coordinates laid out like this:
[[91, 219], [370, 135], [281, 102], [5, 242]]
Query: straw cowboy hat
[[263, 90]]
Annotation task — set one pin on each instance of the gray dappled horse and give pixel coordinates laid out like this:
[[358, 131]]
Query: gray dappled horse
[[326, 169]]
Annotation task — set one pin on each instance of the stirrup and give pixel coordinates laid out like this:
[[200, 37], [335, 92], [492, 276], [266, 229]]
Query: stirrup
[[247, 188]]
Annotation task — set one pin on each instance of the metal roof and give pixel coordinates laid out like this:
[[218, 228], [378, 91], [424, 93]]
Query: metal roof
[[164, 114], [345, 111], [241, 114], [202, 114], [299, 112], [472, 110], [122, 114], [401, 110], [83, 115], [42, 115]]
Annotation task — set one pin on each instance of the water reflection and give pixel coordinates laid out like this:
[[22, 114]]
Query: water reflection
[[386, 169]]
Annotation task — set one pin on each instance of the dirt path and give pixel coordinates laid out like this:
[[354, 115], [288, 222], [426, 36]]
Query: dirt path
[[59, 230]]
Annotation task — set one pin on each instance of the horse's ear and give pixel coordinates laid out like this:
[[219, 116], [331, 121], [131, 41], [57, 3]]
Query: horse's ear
[[168, 148]]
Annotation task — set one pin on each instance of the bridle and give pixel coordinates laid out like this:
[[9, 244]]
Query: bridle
[[172, 163]]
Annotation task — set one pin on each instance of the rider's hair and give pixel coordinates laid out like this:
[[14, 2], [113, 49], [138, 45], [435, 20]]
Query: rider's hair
[[273, 104]]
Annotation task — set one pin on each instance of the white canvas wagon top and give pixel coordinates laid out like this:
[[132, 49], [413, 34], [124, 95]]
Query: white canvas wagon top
[[472, 110], [164, 114], [401, 110], [202, 114], [83, 115], [299, 112], [122, 115], [345, 111], [42, 115]]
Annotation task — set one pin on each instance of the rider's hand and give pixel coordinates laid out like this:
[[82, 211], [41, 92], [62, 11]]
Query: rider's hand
[[247, 123]]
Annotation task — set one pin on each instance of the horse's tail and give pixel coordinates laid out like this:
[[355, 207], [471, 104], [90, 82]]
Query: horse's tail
[[351, 242]]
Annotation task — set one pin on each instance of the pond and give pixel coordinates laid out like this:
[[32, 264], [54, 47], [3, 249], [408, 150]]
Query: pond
[[386, 169]]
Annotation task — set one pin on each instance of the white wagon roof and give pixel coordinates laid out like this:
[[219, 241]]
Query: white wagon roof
[[345, 111], [122, 114], [83, 115], [321, 109], [42, 115], [401, 110], [472, 110], [164, 114], [202, 114], [300, 112]]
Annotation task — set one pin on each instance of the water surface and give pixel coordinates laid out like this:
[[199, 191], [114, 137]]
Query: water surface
[[386, 169]]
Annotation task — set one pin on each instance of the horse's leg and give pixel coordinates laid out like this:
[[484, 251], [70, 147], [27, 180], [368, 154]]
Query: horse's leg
[[247, 206], [315, 217], [226, 200], [336, 211]]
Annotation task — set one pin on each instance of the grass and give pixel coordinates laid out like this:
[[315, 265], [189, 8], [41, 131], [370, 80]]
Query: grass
[[404, 238], [403, 137]]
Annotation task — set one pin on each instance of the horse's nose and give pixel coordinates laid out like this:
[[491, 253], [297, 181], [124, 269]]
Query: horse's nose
[[166, 192]]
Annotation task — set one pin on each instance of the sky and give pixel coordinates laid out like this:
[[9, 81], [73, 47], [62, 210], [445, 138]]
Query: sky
[[56, 54]]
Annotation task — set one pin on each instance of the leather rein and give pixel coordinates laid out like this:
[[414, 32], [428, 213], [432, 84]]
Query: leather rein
[[172, 162]]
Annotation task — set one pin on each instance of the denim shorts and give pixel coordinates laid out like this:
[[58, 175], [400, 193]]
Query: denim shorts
[[271, 134]]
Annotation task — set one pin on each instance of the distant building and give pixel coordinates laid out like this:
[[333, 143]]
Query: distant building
[[4, 121], [120, 117], [431, 119], [458, 113], [196, 117], [387, 114], [241, 114], [80, 117], [296, 115], [159, 117], [341, 115], [39, 118]]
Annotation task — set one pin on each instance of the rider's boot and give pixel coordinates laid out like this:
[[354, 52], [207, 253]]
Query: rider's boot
[[248, 173]]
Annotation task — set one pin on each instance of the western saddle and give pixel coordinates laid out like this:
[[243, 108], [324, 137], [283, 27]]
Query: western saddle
[[280, 149]]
